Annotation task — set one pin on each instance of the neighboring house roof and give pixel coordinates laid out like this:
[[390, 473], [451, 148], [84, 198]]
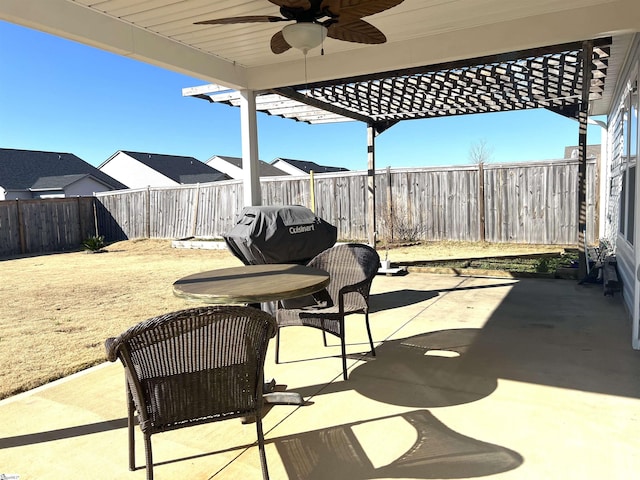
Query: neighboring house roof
[[307, 166], [58, 182], [266, 170], [30, 169], [180, 169]]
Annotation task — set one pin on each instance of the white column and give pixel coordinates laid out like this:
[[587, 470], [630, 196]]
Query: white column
[[250, 163]]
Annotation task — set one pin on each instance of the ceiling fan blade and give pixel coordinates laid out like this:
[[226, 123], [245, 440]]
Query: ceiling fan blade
[[364, 8], [303, 4], [247, 19], [279, 44], [355, 30], [331, 7]]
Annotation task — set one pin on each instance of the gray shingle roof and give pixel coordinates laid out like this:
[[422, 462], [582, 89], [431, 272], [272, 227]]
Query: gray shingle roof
[[308, 166], [57, 181], [266, 169], [22, 169], [180, 169]]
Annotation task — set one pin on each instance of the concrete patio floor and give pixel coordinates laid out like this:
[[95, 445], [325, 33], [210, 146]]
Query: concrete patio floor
[[509, 379]]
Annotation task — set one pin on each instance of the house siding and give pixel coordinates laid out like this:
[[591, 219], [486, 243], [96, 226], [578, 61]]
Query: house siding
[[14, 194], [133, 173], [288, 168], [232, 166], [224, 166], [623, 234], [85, 188]]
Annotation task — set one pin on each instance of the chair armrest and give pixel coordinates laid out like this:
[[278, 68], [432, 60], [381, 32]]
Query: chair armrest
[[111, 346], [361, 288], [356, 287]]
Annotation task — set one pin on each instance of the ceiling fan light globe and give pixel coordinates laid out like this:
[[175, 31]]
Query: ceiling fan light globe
[[304, 35]]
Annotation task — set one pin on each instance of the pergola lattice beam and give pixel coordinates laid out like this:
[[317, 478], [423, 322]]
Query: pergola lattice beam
[[542, 79], [549, 77]]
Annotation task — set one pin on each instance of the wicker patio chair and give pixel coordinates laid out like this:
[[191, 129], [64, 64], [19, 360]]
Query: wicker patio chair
[[352, 268], [191, 367]]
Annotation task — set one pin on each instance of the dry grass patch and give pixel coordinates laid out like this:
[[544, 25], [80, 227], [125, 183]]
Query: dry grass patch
[[57, 310]]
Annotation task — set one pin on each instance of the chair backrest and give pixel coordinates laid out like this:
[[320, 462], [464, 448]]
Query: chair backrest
[[195, 366], [350, 264]]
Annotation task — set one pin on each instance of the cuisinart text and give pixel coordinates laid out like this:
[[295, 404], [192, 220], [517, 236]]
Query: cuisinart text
[[301, 229]]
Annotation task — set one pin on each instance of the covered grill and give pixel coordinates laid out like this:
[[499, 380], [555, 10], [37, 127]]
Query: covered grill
[[279, 234]]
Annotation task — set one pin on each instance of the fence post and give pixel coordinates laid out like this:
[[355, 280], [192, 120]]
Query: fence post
[[389, 205], [312, 191], [481, 202], [194, 224], [80, 223], [147, 207], [23, 240], [95, 215]]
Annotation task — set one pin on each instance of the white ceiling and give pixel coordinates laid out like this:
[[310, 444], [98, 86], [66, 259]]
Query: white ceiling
[[419, 32]]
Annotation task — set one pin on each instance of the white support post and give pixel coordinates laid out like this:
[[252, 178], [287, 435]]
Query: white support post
[[250, 162]]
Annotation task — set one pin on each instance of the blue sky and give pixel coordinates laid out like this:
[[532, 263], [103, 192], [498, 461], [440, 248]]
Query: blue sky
[[62, 96]]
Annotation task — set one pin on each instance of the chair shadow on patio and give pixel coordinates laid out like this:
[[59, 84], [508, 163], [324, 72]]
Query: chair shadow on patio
[[423, 371], [437, 452], [406, 296], [399, 298]]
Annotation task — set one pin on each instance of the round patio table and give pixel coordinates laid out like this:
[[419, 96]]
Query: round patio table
[[251, 284]]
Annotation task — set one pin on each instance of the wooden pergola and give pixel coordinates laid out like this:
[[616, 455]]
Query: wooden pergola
[[549, 77]]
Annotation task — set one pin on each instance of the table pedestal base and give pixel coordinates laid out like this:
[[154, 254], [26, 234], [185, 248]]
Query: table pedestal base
[[280, 398]]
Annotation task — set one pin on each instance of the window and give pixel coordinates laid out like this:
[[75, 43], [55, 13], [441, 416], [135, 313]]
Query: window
[[633, 125], [629, 154], [631, 204], [623, 204]]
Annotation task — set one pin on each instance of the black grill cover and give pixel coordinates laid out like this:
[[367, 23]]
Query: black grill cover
[[280, 234]]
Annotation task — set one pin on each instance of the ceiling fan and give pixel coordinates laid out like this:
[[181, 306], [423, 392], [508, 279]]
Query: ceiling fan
[[339, 19]]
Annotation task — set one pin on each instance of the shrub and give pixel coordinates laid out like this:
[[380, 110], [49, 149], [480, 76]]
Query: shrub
[[94, 244], [543, 265], [400, 228]]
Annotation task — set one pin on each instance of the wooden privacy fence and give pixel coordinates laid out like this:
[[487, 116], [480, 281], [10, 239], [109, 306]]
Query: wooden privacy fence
[[45, 225], [534, 202], [520, 203], [202, 210]]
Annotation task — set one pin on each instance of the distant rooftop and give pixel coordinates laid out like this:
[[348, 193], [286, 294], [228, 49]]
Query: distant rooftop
[[266, 169], [308, 166], [179, 168], [32, 169]]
